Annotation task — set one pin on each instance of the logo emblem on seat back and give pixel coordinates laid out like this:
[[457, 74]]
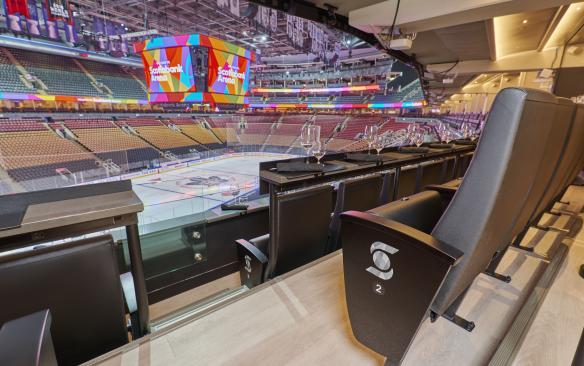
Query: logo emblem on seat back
[[247, 263], [382, 265]]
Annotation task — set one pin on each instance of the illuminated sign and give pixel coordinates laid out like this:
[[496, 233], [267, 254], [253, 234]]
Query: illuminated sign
[[318, 90], [195, 68]]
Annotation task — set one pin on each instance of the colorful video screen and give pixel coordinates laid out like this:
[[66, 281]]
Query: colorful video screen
[[228, 73], [169, 70]]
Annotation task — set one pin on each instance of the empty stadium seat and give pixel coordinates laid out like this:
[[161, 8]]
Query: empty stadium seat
[[298, 235], [79, 283], [360, 194], [478, 220]]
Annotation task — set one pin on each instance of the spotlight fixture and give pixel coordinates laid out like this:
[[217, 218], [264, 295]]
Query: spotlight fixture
[[524, 21]]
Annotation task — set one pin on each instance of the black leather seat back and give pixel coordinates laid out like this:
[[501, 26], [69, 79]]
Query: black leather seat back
[[548, 167], [299, 229], [408, 181], [485, 207], [577, 161], [449, 170], [432, 173], [387, 188], [567, 164], [359, 194], [79, 282], [420, 211], [463, 164]]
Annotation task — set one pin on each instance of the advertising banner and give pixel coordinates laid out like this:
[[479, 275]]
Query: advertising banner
[[228, 73], [19, 7], [169, 70], [59, 10]]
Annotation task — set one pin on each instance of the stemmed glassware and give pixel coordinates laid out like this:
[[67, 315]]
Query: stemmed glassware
[[447, 136], [379, 143], [444, 133], [309, 136], [412, 131], [418, 138], [369, 135], [465, 129], [475, 133], [318, 150]]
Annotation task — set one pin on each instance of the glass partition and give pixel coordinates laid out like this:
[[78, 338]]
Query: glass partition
[[183, 185]]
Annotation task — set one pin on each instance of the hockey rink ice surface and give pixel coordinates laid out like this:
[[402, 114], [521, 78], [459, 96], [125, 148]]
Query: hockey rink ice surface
[[198, 188]]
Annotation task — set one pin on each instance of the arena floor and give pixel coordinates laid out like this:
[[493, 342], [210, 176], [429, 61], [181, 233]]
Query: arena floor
[[198, 188]]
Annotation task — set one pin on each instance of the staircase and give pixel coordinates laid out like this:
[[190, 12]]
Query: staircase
[[137, 80], [130, 130], [24, 73], [99, 87], [9, 185], [109, 166], [178, 130]]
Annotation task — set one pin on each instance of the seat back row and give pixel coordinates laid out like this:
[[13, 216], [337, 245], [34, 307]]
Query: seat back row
[[303, 228]]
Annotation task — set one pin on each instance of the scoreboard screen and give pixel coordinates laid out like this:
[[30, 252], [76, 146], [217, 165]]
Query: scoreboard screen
[[195, 68], [169, 70], [228, 73]]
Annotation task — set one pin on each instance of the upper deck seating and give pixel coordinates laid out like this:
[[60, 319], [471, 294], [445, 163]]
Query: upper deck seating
[[122, 84], [51, 69], [9, 77]]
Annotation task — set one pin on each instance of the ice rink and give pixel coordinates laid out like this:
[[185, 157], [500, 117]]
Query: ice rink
[[200, 187]]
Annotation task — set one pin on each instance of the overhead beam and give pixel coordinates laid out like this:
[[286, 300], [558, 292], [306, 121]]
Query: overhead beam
[[552, 26], [525, 61], [306, 10], [490, 28]]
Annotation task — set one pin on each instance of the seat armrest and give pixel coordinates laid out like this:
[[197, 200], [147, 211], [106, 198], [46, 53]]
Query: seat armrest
[[420, 211], [27, 341], [392, 274], [252, 263], [446, 190]]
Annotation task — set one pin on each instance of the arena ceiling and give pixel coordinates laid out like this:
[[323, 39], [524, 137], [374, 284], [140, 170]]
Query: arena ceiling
[[200, 16]]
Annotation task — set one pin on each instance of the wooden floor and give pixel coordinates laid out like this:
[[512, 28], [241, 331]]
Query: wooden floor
[[300, 319], [172, 305], [554, 333]]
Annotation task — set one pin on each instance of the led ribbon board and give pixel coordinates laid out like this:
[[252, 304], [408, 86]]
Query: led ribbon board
[[66, 98], [317, 90], [340, 106], [195, 69]]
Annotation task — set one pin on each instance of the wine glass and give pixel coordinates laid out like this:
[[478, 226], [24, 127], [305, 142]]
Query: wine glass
[[318, 150], [308, 136], [419, 138], [447, 136], [465, 130], [475, 133], [440, 130], [379, 143], [412, 127], [369, 135]]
